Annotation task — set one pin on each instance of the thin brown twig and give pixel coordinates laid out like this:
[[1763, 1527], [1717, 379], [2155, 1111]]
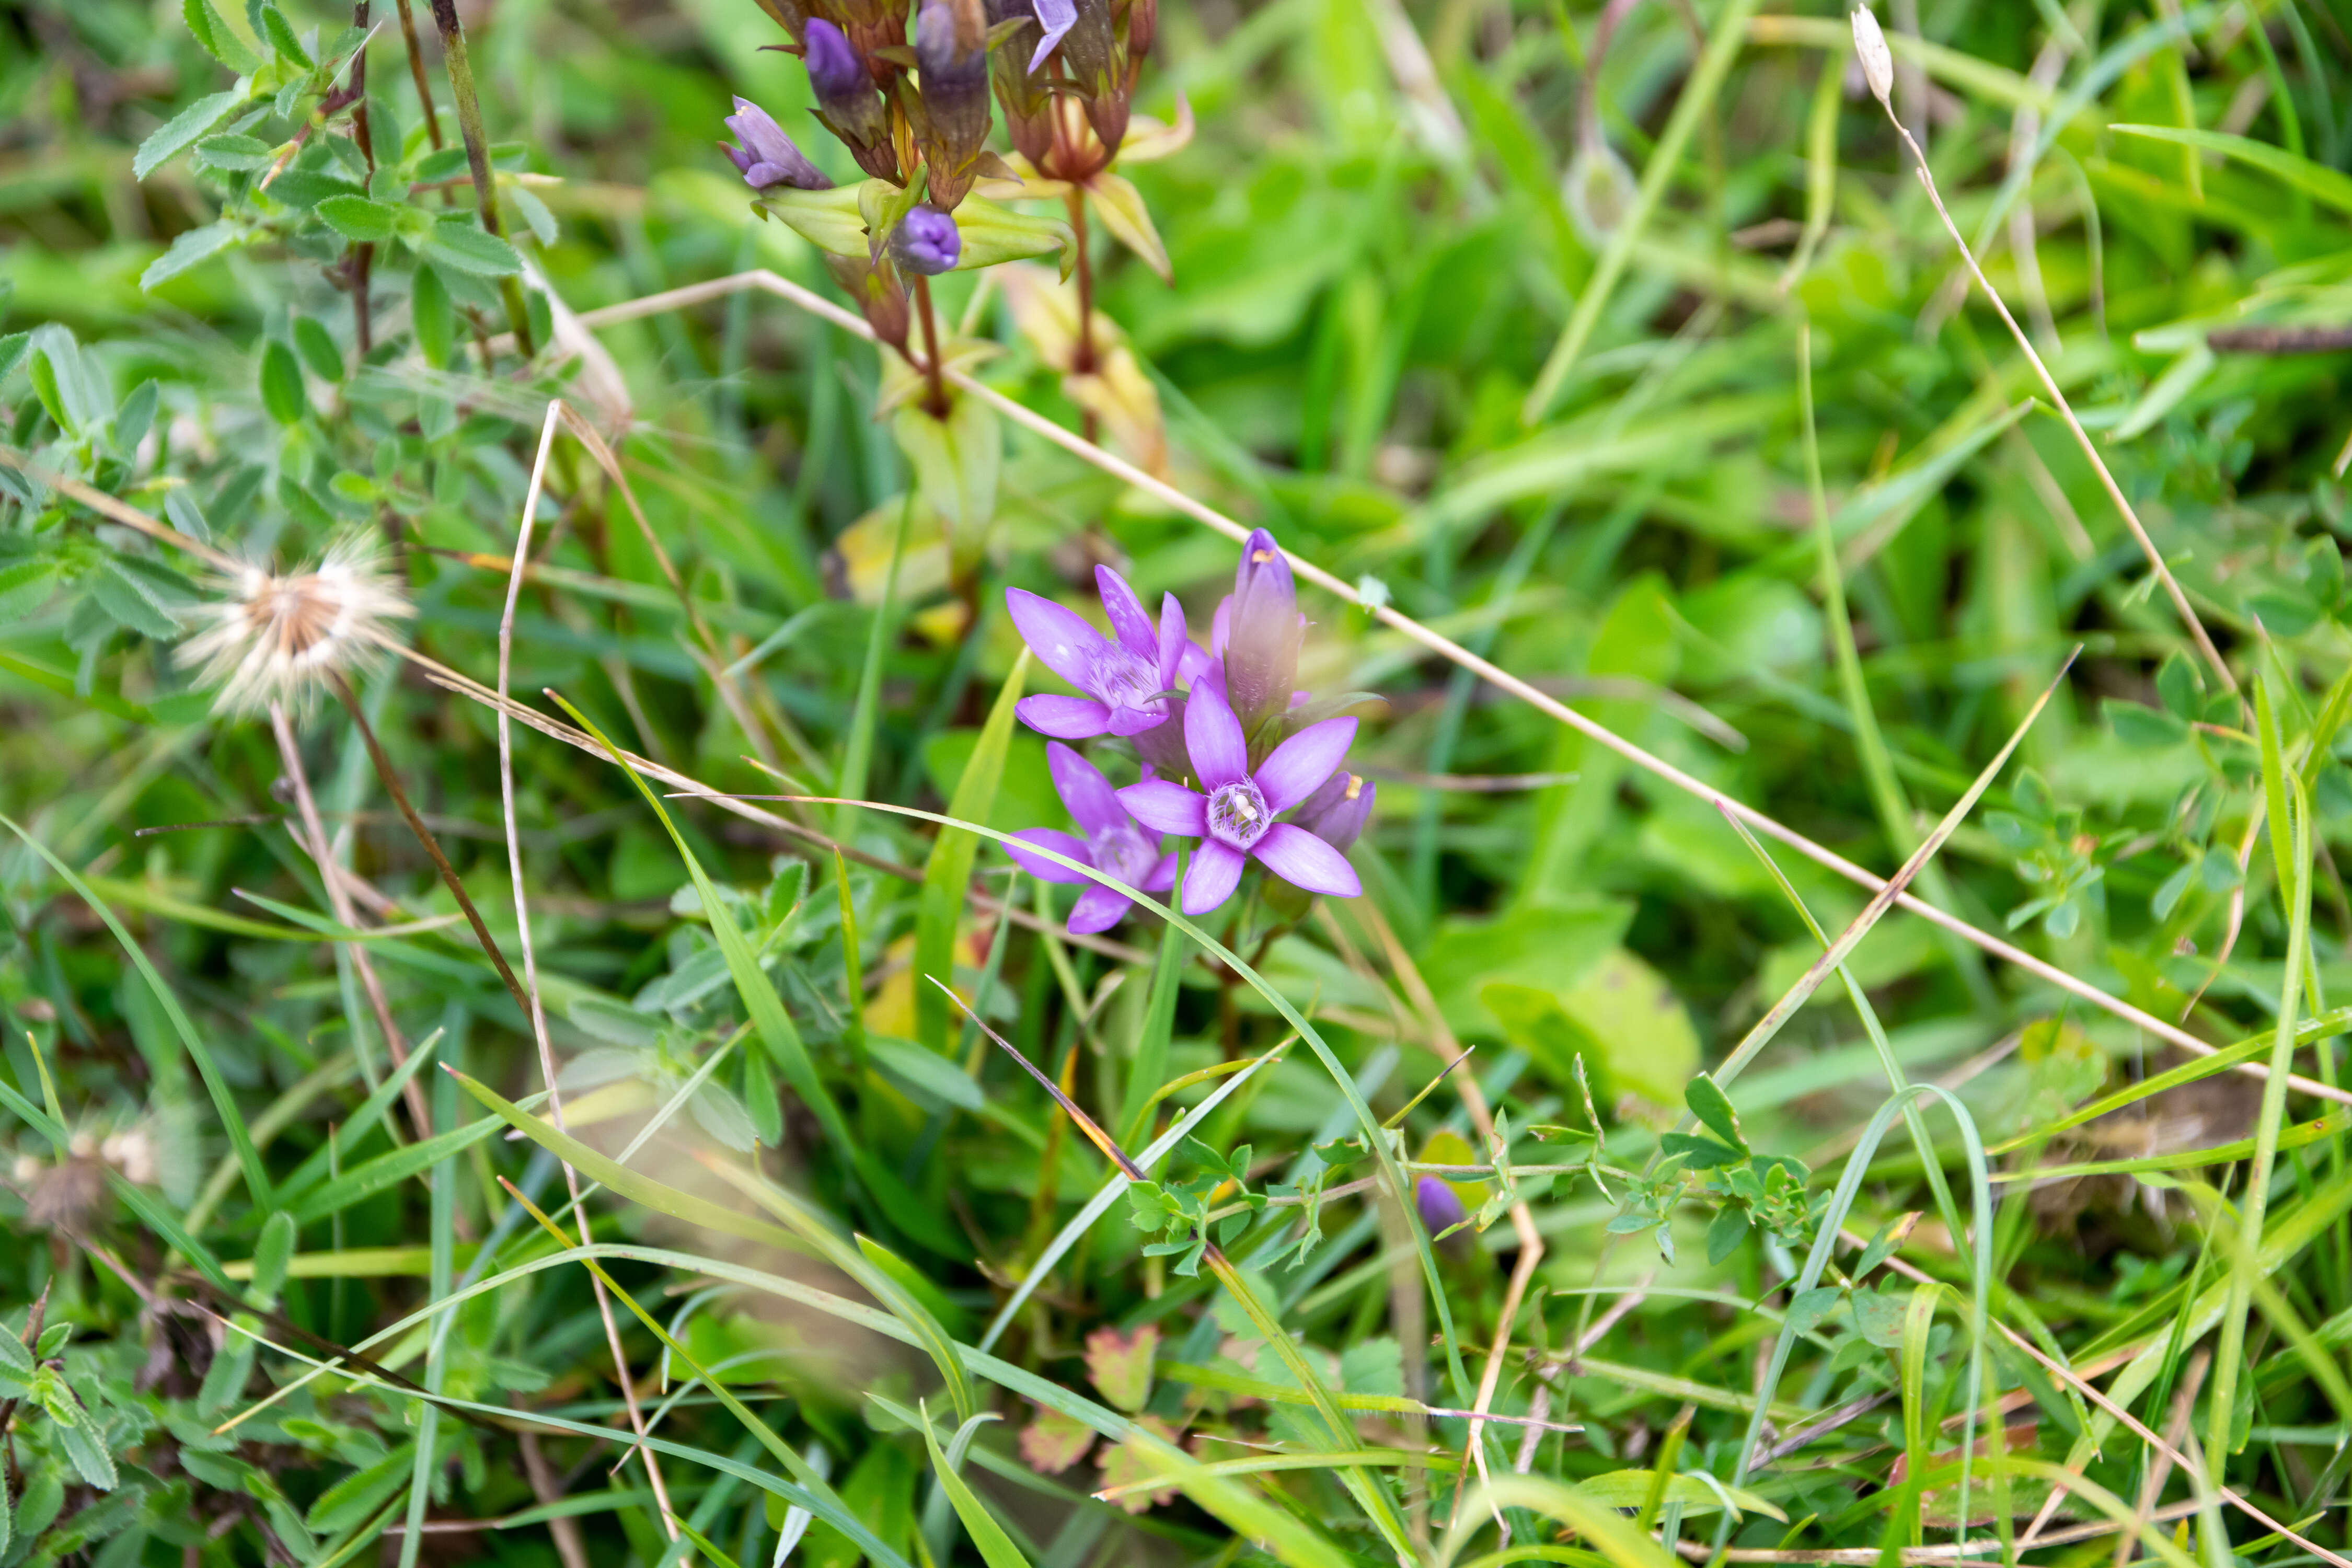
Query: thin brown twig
[[416, 75], [390, 778], [2196, 628], [532, 1010], [313, 840], [1437, 643]]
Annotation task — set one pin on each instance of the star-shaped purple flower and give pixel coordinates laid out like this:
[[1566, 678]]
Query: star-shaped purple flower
[[1122, 676], [1114, 843], [1235, 819]]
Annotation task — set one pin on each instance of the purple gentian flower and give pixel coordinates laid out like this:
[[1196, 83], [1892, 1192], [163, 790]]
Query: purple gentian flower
[[1235, 819], [927, 241], [768, 156], [1337, 812], [1258, 633], [1440, 1206], [1122, 675], [1114, 843], [1057, 18]]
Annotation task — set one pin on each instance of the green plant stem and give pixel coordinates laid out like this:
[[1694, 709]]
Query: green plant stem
[[477, 157], [935, 400], [390, 781]]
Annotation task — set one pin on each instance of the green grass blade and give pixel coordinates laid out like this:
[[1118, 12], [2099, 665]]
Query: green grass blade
[[946, 874], [996, 1548], [248, 1159]]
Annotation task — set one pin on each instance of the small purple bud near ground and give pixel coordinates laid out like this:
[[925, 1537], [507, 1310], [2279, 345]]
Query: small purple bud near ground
[[767, 156], [1439, 1205], [927, 242]]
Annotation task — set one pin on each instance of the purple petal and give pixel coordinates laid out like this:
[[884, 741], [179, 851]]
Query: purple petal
[[1303, 860], [1221, 626], [1062, 641], [1162, 875], [1166, 807], [1099, 909], [1194, 663], [1125, 611], [1136, 720], [1300, 765], [1213, 738], [1060, 842], [1171, 640], [1069, 717], [1092, 801], [1057, 17], [1216, 872]]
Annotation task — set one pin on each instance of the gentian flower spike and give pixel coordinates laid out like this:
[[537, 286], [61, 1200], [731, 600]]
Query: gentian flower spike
[[1114, 843], [927, 241], [1234, 820], [1122, 675], [1337, 812], [1260, 634], [768, 156]]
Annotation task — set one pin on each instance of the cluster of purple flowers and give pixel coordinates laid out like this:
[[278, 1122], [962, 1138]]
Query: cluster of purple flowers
[[1228, 760], [919, 106]]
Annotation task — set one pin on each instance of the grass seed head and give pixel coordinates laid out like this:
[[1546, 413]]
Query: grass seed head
[[1877, 62]]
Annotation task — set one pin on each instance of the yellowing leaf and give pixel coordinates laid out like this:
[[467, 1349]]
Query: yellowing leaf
[[1120, 1365], [1055, 1441], [1130, 1462], [1121, 207]]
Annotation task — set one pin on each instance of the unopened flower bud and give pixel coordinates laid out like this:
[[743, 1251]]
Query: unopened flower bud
[[1337, 812], [768, 156], [927, 242], [951, 51], [1142, 27], [1263, 631], [1877, 63], [847, 102], [1440, 1206]]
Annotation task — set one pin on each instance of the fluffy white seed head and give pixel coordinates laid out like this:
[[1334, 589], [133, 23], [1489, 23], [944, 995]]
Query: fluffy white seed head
[[272, 638], [1877, 61]]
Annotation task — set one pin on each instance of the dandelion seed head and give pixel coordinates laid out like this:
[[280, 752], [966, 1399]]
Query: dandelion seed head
[[273, 638]]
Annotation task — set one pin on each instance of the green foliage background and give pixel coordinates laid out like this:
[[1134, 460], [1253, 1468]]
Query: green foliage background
[[1387, 217]]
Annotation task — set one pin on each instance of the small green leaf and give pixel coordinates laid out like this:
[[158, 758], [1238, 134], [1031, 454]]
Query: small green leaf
[[996, 1548], [281, 34], [1703, 1153], [457, 242], [2284, 615], [992, 234], [190, 248], [1725, 1234], [137, 415], [271, 1254], [830, 220], [2143, 728], [282, 395], [1807, 1312], [359, 219], [238, 154], [215, 36], [430, 316], [1713, 1108], [318, 348], [2180, 689], [180, 132]]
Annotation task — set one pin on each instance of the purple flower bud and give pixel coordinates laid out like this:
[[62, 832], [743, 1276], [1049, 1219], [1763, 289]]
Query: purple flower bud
[[1440, 1206], [834, 70], [1261, 634], [951, 51], [1337, 812], [768, 156], [927, 242], [846, 102]]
